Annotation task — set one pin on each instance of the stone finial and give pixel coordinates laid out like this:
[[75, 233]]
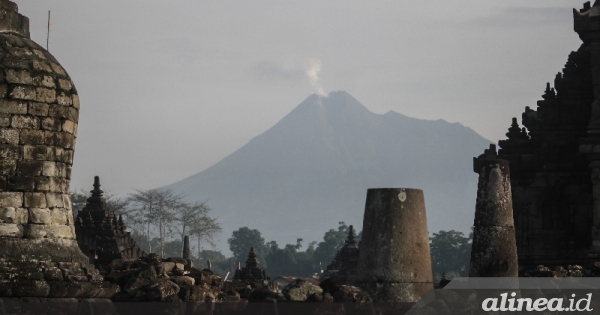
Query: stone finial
[[121, 223], [514, 132], [549, 93], [350, 240], [97, 200], [252, 261], [11, 21]]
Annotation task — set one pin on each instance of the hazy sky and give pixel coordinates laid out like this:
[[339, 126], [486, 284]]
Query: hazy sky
[[169, 88]]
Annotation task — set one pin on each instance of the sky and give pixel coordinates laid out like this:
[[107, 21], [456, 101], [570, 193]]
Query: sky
[[168, 88]]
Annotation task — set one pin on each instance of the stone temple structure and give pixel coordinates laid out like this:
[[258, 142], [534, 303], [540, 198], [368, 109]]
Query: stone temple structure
[[251, 273], [39, 108], [555, 159], [101, 234], [343, 268]]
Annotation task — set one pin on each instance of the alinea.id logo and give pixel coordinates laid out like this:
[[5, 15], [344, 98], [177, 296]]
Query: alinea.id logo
[[513, 304]]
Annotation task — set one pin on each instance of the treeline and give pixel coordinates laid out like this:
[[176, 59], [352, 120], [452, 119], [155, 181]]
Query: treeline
[[159, 219]]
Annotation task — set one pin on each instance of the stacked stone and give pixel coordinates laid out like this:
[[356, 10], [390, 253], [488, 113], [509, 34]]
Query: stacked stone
[[494, 249], [553, 156], [343, 269], [39, 109], [101, 236], [394, 263], [251, 274]]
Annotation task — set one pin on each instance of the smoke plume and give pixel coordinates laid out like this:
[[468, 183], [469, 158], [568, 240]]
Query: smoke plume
[[313, 68]]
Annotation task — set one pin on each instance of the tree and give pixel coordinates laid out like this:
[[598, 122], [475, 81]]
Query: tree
[[156, 206], [242, 240], [450, 253], [333, 240], [200, 225]]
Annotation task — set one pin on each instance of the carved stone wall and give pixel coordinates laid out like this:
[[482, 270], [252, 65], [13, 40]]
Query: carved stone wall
[[39, 108]]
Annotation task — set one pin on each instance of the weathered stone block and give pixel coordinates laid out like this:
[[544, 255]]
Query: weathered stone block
[[8, 215], [53, 274], [23, 92], [41, 66], [67, 201], [11, 199], [24, 122], [38, 109], [35, 199], [65, 84], [12, 107], [45, 95], [3, 90], [59, 216], [21, 215], [4, 119], [50, 169], [8, 167], [179, 266], [29, 168], [64, 99], [34, 152], [68, 172], [54, 200], [61, 231], [9, 136], [60, 139], [75, 98], [40, 216], [70, 218], [20, 183], [31, 137], [62, 169], [38, 53], [54, 153], [69, 126], [9, 151], [11, 230], [57, 68], [64, 112], [42, 183], [35, 231], [57, 184], [23, 53], [18, 76], [45, 81], [51, 123], [16, 63], [184, 280], [68, 157]]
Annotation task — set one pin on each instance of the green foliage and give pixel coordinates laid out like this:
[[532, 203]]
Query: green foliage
[[450, 254], [333, 241], [242, 240]]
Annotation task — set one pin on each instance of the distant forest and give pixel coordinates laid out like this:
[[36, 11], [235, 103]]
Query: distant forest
[[158, 219]]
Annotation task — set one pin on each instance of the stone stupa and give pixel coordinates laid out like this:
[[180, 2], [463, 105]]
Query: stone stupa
[[39, 108]]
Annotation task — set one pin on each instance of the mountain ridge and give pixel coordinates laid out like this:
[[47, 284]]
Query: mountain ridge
[[312, 168]]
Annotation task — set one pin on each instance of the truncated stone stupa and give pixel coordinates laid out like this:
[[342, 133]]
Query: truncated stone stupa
[[39, 108]]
